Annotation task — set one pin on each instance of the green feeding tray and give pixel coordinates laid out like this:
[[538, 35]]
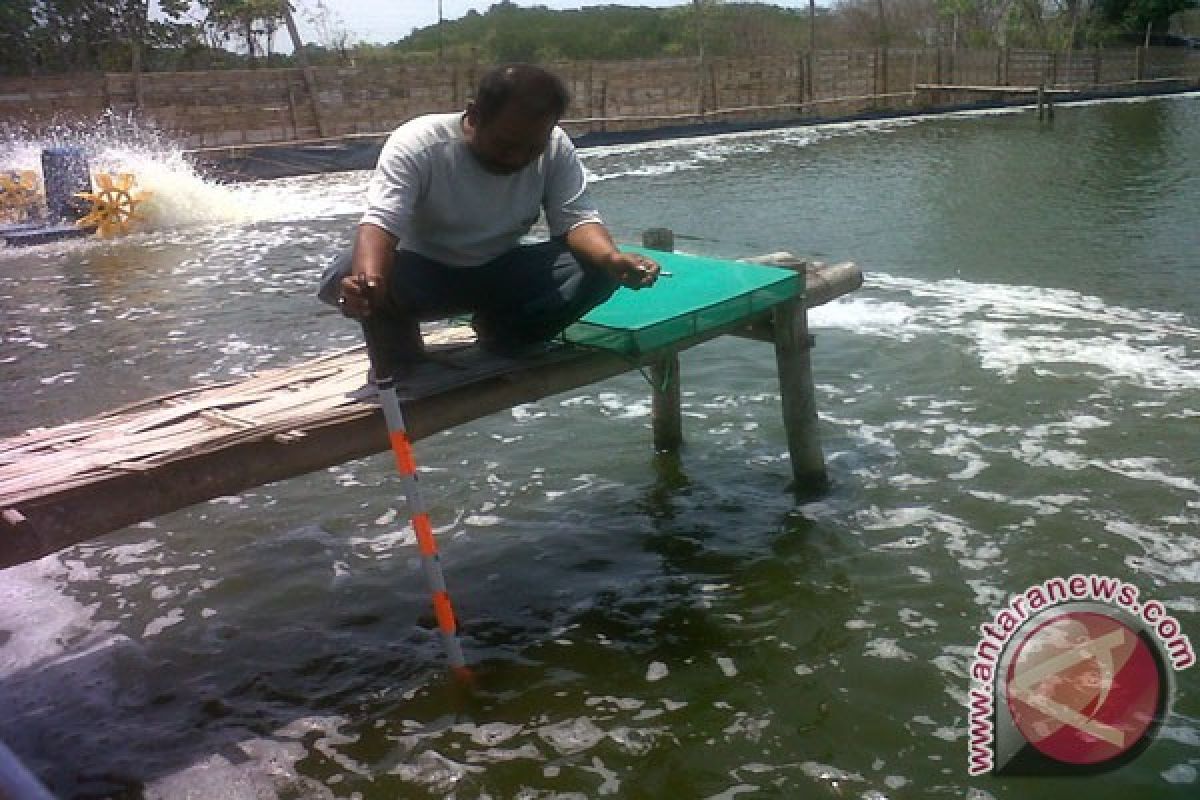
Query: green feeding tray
[[700, 295]]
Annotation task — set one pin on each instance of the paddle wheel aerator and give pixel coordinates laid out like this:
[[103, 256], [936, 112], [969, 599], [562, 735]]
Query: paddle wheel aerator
[[113, 204]]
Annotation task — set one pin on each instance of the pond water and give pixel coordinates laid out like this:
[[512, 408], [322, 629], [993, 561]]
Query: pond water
[[1014, 395]]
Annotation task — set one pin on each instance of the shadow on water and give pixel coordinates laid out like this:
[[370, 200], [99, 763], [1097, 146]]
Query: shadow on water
[[126, 711]]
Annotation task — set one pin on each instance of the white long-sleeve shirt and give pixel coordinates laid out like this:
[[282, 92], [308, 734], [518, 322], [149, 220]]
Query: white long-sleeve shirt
[[430, 192]]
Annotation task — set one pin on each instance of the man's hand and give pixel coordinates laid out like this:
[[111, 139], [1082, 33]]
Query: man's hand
[[631, 270], [360, 296], [365, 288], [593, 246]]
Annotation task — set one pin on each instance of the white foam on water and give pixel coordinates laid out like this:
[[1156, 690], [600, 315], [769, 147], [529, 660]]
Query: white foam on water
[[572, 735], [159, 624], [1129, 100], [921, 574], [647, 170], [434, 770], [829, 774], [1180, 774], [610, 783], [734, 791], [1007, 327], [746, 726], [887, 649], [265, 770], [40, 620], [614, 704], [975, 793], [606, 162], [915, 619], [1168, 553], [1147, 469], [1040, 504]]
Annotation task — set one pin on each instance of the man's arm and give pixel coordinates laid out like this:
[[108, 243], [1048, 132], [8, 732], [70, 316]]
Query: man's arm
[[365, 288], [592, 245], [569, 208]]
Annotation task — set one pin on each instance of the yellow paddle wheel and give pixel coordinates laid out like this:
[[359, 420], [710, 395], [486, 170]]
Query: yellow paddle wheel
[[20, 196], [114, 204]]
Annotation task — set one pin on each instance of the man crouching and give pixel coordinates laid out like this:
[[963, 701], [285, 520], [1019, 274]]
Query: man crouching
[[447, 205]]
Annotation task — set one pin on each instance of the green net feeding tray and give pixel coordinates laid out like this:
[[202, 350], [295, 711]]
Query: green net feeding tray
[[700, 295]]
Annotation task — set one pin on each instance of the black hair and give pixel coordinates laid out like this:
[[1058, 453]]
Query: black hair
[[535, 91]]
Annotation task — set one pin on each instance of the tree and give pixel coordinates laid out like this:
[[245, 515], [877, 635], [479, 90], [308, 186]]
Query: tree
[[331, 31], [17, 22], [76, 35], [244, 20], [1143, 15], [955, 10]]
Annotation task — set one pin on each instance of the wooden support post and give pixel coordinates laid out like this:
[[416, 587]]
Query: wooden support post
[[885, 86], [801, 78], [668, 405], [811, 77], [667, 411], [659, 239], [291, 97], [591, 96], [712, 82], [604, 105], [875, 78], [799, 396], [139, 95]]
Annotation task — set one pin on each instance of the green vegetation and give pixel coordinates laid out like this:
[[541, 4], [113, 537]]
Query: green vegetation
[[507, 32], [64, 36]]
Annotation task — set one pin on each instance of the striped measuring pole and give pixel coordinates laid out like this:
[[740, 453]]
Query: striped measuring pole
[[430, 561]]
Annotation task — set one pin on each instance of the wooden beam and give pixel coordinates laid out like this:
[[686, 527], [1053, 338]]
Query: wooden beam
[[787, 327], [666, 395], [799, 397], [667, 414], [822, 284]]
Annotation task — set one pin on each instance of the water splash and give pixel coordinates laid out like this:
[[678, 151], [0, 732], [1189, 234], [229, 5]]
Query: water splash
[[179, 195]]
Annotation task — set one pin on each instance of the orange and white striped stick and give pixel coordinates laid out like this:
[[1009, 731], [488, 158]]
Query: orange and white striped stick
[[406, 464]]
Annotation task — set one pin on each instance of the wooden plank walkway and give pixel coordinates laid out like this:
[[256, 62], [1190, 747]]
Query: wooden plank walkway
[[64, 485]]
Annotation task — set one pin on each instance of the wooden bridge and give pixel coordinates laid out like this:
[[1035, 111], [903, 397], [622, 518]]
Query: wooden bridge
[[64, 485]]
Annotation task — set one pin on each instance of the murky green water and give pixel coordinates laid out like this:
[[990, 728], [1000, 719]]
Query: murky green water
[[1014, 395]]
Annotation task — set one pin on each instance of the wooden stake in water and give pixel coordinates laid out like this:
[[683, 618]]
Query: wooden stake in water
[[385, 385]]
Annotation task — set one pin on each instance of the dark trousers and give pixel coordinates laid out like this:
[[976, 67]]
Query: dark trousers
[[523, 297]]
